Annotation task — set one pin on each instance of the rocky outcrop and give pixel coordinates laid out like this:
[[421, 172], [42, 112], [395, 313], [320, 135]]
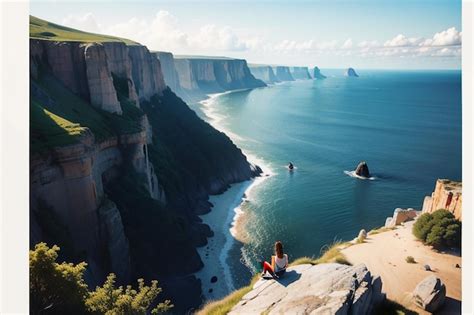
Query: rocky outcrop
[[317, 74], [300, 73], [146, 72], [362, 170], [101, 87], [87, 69], [283, 73], [350, 72], [447, 195], [264, 73], [430, 294], [320, 289], [400, 216]]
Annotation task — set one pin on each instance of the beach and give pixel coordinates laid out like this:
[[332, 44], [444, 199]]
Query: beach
[[384, 254]]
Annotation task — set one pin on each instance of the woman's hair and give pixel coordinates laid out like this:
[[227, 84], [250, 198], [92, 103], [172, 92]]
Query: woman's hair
[[279, 249]]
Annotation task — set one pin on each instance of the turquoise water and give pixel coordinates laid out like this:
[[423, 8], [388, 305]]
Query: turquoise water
[[406, 125]]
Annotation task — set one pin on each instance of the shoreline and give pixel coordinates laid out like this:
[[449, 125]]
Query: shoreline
[[224, 216]]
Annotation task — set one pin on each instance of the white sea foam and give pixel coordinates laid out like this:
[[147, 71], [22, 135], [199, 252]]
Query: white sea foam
[[353, 174], [230, 202]]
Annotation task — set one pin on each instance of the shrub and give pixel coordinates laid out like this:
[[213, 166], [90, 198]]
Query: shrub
[[60, 289], [410, 260], [438, 229]]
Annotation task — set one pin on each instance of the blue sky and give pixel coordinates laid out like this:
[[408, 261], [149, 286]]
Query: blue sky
[[331, 34]]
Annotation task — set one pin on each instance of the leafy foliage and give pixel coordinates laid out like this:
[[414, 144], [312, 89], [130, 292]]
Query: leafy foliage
[[110, 300], [438, 229], [410, 260], [60, 289]]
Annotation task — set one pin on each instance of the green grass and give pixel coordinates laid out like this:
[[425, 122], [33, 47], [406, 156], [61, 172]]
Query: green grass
[[66, 117], [41, 29], [332, 254], [224, 305], [380, 230], [410, 260]]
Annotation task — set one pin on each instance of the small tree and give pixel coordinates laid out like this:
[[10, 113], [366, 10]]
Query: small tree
[[438, 229], [58, 288], [110, 300]]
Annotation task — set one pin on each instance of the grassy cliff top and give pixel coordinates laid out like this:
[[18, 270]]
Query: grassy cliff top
[[41, 29]]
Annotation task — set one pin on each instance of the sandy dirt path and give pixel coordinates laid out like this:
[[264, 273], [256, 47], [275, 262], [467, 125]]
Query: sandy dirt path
[[385, 253]]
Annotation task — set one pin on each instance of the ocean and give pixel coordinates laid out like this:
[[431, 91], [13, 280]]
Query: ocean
[[405, 124]]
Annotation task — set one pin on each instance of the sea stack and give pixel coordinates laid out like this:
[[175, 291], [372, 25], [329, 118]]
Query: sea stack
[[317, 74], [362, 170], [350, 72]]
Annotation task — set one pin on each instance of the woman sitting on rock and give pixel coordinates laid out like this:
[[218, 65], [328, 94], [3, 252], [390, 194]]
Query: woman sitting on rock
[[279, 262]]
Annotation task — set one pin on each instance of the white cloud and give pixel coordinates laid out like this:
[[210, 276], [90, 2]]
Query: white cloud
[[449, 37], [86, 22], [401, 41], [347, 44]]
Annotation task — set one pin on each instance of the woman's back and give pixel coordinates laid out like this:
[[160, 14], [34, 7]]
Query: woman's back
[[281, 263]]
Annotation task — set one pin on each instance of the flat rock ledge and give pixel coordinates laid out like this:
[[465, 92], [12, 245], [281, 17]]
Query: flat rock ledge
[[320, 289]]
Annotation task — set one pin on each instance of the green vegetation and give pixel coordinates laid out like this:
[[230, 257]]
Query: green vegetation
[[60, 117], [41, 29], [224, 305], [438, 229], [60, 289], [410, 260]]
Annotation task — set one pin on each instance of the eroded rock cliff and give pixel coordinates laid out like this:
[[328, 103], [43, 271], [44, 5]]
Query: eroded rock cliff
[[317, 74], [283, 73], [300, 73], [120, 166], [446, 195], [264, 73]]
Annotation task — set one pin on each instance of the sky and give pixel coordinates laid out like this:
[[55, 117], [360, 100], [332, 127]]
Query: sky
[[364, 34]]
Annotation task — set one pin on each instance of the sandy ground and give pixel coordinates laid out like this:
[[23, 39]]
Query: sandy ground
[[384, 254], [214, 254]]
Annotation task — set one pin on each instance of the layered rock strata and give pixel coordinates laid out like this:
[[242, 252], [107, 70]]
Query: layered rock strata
[[447, 195]]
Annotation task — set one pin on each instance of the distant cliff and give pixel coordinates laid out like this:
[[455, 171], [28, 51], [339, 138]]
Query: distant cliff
[[120, 167], [300, 73], [283, 73], [264, 73], [198, 76], [447, 195]]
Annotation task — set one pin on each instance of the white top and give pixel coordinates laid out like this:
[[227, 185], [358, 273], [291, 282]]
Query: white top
[[280, 263]]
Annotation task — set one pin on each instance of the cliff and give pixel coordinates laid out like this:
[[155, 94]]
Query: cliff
[[264, 73], [447, 195], [120, 166], [315, 289], [283, 73], [300, 73], [317, 74], [193, 77]]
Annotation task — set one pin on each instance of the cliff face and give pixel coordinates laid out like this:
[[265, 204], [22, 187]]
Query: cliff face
[[300, 73], [283, 73], [447, 195], [120, 166], [193, 77], [264, 73]]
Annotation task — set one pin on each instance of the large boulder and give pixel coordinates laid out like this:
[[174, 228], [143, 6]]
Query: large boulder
[[317, 74], [430, 294], [320, 289], [362, 170], [399, 216]]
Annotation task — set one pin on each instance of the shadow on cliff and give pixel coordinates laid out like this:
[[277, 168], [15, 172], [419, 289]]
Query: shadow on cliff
[[288, 278]]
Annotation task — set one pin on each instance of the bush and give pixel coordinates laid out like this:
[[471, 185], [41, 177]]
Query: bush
[[60, 289], [438, 229], [410, 260]]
